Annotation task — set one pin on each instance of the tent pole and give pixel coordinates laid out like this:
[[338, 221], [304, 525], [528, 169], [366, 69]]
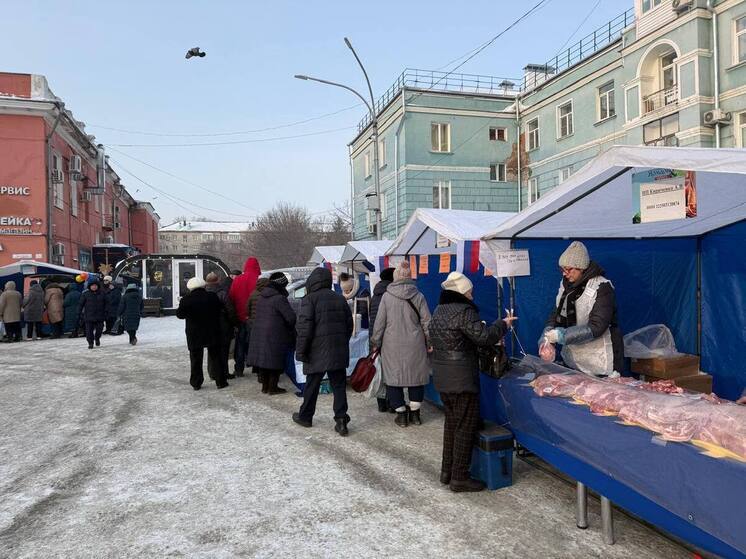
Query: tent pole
[[417, 240], [699, 296], [512, 306]]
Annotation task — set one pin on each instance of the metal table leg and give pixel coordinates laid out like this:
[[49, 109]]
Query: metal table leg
[[581, 510], [607, 521]]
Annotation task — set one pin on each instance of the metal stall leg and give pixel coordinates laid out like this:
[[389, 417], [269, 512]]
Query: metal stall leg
[[581, 511], [607, 521]]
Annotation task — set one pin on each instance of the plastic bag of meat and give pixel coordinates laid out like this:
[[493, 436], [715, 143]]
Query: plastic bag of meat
[[547, 352], [648, 342]]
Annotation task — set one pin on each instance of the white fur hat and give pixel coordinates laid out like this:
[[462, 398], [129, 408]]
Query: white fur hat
[[195, 283], [456, 281]]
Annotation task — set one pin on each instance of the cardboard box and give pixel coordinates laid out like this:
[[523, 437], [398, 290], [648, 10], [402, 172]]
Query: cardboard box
[[680, 365], [695, 383]]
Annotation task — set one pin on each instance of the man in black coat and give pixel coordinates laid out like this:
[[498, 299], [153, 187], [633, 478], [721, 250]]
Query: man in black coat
[[201, 310], [112, 295], [387, 277], [272, 333], [323, 346], [228, 320], [93, 312]]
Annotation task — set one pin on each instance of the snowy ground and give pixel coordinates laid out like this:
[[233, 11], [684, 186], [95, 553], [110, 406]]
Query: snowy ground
[[110, 453]]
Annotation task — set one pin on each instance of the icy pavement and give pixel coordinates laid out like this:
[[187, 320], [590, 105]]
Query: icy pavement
[[110, 453]]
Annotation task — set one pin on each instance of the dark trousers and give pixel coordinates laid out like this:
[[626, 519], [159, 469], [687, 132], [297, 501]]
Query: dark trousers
[[132, 334], [93, 331], [110, 320], [241, 348], [31, 327], [57, 329], [459, 433], [196, 357], [221, 360], [395, 395], [338, 382], [14, 331]]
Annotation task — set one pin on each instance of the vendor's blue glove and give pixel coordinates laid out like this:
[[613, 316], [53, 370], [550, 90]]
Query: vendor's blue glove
[[556, 336]]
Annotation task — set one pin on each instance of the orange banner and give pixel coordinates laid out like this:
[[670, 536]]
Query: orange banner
[[413, 265], [445, 263], [423, 265]]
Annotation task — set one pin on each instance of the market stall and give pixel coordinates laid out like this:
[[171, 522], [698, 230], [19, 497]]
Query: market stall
[[326, 255], [25, 270], [363, 256]]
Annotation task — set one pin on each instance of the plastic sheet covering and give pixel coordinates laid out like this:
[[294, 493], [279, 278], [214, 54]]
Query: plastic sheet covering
[[358, 348], [648, 342], [671, 485]]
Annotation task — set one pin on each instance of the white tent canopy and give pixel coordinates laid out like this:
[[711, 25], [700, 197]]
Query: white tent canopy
[[32, 267], [356, 253], [327, 254], [598, 201]]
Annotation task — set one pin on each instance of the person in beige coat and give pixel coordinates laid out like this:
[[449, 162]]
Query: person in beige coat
[[401, 332], [54, 299], [10, 311]]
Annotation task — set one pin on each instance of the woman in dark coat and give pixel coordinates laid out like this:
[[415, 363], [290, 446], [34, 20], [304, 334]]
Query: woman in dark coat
[[71, 308], [261, 283], [93, 309], [130, 311], [272, 334], [228, 320], [33, 310], [456, 332]]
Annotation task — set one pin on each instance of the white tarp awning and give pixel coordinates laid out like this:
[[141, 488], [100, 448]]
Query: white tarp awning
[[598, 201], [357, 252], [32, 267], [327, 254]]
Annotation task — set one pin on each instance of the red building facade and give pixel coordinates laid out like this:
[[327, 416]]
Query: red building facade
[[58, 196]]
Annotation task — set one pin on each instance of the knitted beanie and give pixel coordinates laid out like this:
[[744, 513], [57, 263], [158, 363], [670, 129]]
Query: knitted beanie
[[278, 278], [402, 271], [456, 281], [575, 256]]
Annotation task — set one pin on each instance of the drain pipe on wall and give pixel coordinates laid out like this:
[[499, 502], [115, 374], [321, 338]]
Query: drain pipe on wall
[[50, 184], [716, 64], [396, 158], [518, 144], [352, 195]]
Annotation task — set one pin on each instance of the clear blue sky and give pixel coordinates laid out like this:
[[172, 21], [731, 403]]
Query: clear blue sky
[[121, 65]]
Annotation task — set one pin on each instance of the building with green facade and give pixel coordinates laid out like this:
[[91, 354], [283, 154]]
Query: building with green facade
[[666, 72]]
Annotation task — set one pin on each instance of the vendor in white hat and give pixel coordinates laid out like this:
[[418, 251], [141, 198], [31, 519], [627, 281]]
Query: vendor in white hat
[[584, 319]]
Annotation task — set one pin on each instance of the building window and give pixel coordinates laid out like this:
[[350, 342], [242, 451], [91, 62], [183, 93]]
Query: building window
[[497, 172], [367, 165], [58, 182], [648, 5], [533, 134], [564, 120], [58, 254], [533, 190], [740, 40], [442, 195], [668, 70], [564, 174], [74, 197], [234, 237], [606, 107], [498, 134], [440, 137], [207, 237], [662, 132], [741, 138], [382, 152]]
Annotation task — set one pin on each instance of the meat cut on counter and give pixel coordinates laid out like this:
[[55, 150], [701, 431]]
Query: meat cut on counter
[[660, 407]]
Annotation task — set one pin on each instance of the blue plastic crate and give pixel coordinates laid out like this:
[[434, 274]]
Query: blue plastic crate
[[492, 458]]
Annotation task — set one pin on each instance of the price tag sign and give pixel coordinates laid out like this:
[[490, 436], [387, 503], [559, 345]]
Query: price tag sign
[[512, 263]]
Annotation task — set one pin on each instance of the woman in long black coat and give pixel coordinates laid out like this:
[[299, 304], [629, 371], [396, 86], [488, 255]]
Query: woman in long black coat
[[71, 308], [272, 334], [130, 311]]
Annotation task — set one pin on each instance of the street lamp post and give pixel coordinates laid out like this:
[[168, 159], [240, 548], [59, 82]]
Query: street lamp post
[[374, 119]]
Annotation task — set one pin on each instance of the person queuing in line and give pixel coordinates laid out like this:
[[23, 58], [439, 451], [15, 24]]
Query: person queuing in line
[[272, 334], [261, 283], [240, 291], [401, 333], [33, 310], [112, 295], [71, 310], [54, 299], [10, 311], [387, 276], [584, 319], [324, 329], [201, 310], [93, 312], [130, 311], [456, 333], [227, 321]]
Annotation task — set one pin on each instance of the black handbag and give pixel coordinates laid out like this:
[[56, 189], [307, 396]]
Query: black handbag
[[493, 360]]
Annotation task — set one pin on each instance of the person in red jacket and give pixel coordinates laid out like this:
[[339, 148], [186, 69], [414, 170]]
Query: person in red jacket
[[241, 289]]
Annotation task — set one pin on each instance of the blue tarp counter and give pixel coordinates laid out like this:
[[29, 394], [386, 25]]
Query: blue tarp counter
[[699, 499]]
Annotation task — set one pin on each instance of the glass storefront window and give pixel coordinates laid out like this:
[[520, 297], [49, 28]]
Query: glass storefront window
[[160, 281]]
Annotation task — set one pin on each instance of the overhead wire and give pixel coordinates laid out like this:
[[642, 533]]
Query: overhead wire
[[588, 15]]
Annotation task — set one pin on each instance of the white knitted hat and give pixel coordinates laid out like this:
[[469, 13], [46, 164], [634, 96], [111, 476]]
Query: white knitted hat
[[456, 281], [575, 256], [195, 283]]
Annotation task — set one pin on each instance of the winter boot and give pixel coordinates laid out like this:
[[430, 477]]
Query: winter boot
[[273, 388], [229, 375], [341, 427], [402, 418], [466, 486], [300, 421], [90, 346], [414, 417], [265, 382], [260, 378], [445, 478], [98, 343], [383, 405], [223, 384]]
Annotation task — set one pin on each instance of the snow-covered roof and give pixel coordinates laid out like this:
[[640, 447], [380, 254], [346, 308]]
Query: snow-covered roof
[[597, 201], [428, 226], [331, 254], [206, 227], [357, 252]]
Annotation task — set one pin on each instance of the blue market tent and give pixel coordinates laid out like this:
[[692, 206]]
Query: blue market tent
[[24, 268], [687, 273]]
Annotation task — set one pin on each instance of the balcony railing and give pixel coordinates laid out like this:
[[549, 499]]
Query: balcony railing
[[660, 99], [588, 45], [442, 81]]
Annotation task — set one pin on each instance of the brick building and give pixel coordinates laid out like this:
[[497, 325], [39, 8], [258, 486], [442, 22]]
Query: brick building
[[58, 195]]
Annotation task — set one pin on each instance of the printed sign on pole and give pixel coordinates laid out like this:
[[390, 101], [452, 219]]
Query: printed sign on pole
[[512, 263]]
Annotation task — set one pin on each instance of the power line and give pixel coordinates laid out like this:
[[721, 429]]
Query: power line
[[214, 134], [275, 139], [593, 9]]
